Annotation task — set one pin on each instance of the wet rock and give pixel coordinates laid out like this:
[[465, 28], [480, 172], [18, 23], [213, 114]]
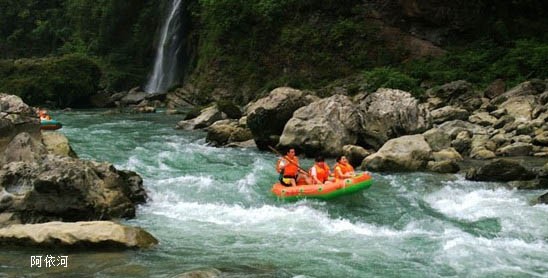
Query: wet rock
[[145, 109], [16, 117], [57, 143], [543, 199], [541, 139], [355, 154], [390, 113], [134, 96], [406, 153], [483, 119], [500, 170], [437, 139], [482, 153], [445, 166], [266, 118], [448, 113], [323, 127], [458, 93], [453, 128], [516, 149], [93, 234], [504, 120], [520, 107], [495, 89], [182, 98], [243, 144], [527, 88], [23, 148], [225, 132], [447, 154], [462, 142], [68, 189], [206, 118]]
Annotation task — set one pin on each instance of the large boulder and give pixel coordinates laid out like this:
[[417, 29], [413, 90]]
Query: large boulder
[[406, 153], [390, 113], [520, 107], [457, 93], [68, 189], [527, 88], [355, 154], [448, 113], [225, 132], [93, 234], [267, 116], [57, 143], [16, 117], [181, 98], [516, 149], [500, 170], [23, 148], [134, 96], [453, 128], [207, 117], [323, 127], [437, 139]]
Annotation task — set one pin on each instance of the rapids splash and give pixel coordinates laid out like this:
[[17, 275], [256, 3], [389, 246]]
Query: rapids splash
[[211, 208]]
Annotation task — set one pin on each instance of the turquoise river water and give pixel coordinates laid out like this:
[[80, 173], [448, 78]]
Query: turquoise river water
[[211, 208]]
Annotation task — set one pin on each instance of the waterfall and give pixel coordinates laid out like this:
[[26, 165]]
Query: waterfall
[[167, 53]]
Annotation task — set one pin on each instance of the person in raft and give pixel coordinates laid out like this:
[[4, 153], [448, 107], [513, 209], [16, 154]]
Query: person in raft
[[43, 114], [320, 171], [343, 169], [288, 167]]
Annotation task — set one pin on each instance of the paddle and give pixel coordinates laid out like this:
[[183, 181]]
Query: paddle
[[289, 160]]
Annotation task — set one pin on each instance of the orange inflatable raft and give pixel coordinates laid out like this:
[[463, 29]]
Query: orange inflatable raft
[[323, 191]]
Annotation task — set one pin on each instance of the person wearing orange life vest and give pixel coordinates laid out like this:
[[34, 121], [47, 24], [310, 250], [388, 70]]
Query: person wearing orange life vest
[[288, 167], [320, 171], [43, 114], [343, 169]]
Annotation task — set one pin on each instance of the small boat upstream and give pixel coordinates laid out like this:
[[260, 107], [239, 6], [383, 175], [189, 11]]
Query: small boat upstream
[[327, 191], [50, 125]]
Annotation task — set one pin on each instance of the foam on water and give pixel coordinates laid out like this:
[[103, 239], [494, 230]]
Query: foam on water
[[212, 207]]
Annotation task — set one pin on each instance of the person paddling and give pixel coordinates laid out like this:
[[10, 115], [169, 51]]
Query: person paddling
[[288, 167], [343, 169], [320, 171]]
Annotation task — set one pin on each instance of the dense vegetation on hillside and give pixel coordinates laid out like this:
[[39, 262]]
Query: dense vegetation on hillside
[[250, 47]]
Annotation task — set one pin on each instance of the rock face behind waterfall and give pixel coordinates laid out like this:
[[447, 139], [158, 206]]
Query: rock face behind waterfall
[[41, 180], [323, 127]]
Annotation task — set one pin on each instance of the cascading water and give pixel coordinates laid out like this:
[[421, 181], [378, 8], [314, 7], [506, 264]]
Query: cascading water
[[167, 53]]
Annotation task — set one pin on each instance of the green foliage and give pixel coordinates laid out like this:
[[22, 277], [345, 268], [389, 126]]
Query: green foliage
[[385, 77], [484, 62], [65, 81], [117, 33]]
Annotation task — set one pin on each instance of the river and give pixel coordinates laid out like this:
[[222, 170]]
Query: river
[[211, 208]]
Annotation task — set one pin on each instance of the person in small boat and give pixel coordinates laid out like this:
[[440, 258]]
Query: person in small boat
[[319, 171], [288, 167], [343, 169], [43, 114]]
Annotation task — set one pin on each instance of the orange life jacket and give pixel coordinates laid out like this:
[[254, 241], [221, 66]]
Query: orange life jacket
[[322, 173], [291, 168], [345, 168]]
